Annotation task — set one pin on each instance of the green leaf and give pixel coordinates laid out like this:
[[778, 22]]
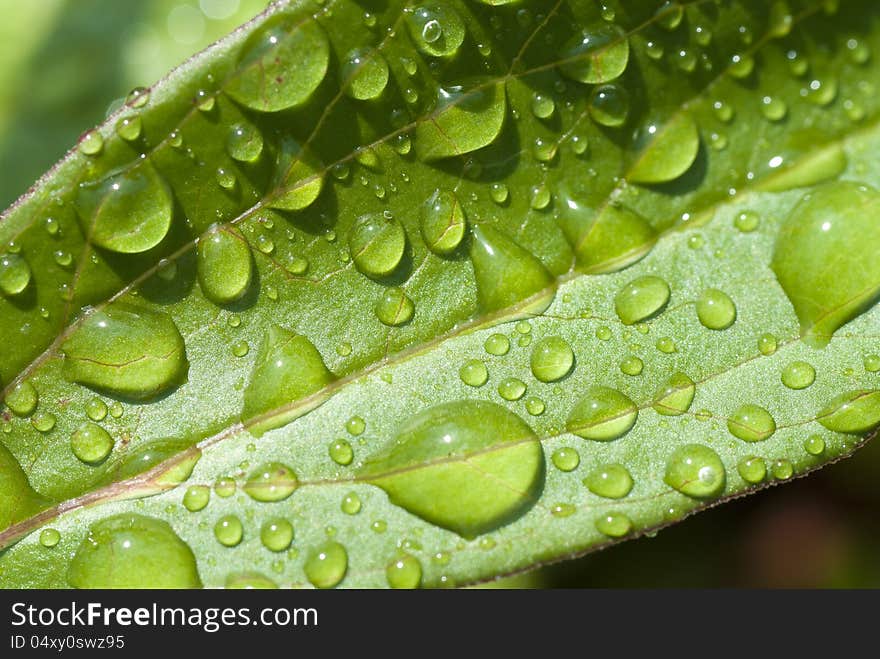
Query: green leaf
[[384, 294]]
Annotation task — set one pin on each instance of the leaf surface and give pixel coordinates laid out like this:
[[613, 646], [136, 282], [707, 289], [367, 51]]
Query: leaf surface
[[398, 295]]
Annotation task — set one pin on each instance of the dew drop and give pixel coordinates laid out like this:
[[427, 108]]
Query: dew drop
[[598, 53], [225, 265], [96, 409], [196, 498], [326, 565], [614, 525], [405, 571], [665, 150], [767, 344], [543, 106], [126, 350], [22, 399], [798, 375], [752, 469], [340, 452], [276, 534], [442, 222], [366, 72], [609, 105], [751, 423], [511, 389], [377, 243], [225, 487], [715, 309], [298, 177], [281, 65], [90, 443], [612, 481], [138, 97], [852, 412], [782, 469], [129, 128], [15, 274], [474, 373], [228, 530], [566, 458], [641, 298], [351, 504], [49, 538], [535, 406], [497, 345], [602, 414], [271, 482], [676, 396], [43, 421], [244, 142], [133, 551], [696, 471], [91, 143], [632, 366], [440, 466], [872, 363]]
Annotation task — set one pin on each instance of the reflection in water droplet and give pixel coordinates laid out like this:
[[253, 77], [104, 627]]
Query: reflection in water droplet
[[228, 530], [798, 375], [271, 482], [366, 72], [15, 274], [752, 469], [22, 399], [614, 525], [474, 373], [276, 534]]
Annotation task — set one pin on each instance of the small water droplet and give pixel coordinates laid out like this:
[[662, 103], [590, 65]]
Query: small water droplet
[[696, 471], [474, 373], [609, 105], [552, 359], [405, 571], [614, 525], [751, 423], [602, 414], [752, 469], [91, 143], [715, 309], [49, 538], [326, 565], [641, 298], [351, 504], [798, 375], [91, 444], [511, 389], [566, 458], [196, 498], [612, 481], [228, 530]]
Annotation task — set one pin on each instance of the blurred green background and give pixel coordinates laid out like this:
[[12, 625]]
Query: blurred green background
[[64, 64]]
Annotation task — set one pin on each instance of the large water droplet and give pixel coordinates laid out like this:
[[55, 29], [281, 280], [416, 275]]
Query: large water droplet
[[405, 571], [366, 72], [602, 414], [666, 150], [90, 443], [436, 28], [288, 368], [228, 530], [394, 307], [695, 470], [276, 534], [609, 105], [798, 375], [552, 359], [752, 469], [126, 350], [598, 53], [298, 178], [15, 274], [614, 525], [281, 65], [641, 298], [377, 242], [224, 265], [271, 482], [852, 412], [605, 241], [612, 481], [443, 222], [467, 466], [715, 309], [676, 396], [326, 565], [751, 423], [465, 119], [244, 142], [133, 551], [825, 260], [129, 211], [507, 273]]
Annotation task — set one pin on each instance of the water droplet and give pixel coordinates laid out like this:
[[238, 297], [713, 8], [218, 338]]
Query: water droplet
[[196, 498], [543, 106], [225, 487], [133, 551], [669, 15], [598, 53], [822, 91], [715, 309], [287, 369], [224, 265], [137, 97], [872, 363], [265, 244], [507, 274], [299, 177], [696, 471], [341, 452], [43, 421], [552, 359], [751, 423], [676, 396], [614, 525], [326, 565], [96, 409], [540, 196], [511, 389], [463, 121], [852, 412], [394, 307], [798, 375], [244, 142], [665, 150], [49, 538], [351, 504], [276, 534], [366, 72], [497, 344], [116, 409], [90, 443], [271, 482], [830, 222], [632, 366], [377, 243], [609, 105], [436, 28], [563, 510], [442, 222], [767, 344], [612, 481], [126, 350], [566, 458], [602, 414], [129, 211], [22, 399], [404, 572], [129, 128], [752, 469], [535, 406], [91, 143], [773, 108], [741, 66], [467, 466], [281, 65], [473, 373], [782, 469], [228, 530], [641, 298]]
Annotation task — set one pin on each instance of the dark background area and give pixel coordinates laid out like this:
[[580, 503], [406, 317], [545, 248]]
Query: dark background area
[[65, 63]]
